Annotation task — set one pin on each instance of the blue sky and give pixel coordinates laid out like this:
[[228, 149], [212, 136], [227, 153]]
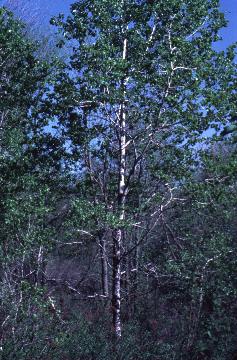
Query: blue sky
[[229, 7]]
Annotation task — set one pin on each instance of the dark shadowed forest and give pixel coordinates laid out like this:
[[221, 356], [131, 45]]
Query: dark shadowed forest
[[118, 183]]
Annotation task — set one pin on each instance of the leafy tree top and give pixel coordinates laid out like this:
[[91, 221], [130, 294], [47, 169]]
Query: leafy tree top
[[173, 76]]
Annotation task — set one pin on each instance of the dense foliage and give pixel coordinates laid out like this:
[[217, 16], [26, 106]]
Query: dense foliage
[[118, 186]]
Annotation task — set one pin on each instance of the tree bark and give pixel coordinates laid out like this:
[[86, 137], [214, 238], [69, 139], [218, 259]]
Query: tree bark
[[118, 233], [116, 291], [104, 266]]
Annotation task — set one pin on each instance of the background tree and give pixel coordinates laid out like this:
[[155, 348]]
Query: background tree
[[36, 26], [24, 196]]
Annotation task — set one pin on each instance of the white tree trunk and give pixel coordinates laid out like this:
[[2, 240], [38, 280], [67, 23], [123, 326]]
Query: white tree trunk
[[117, 239], [104, 265]]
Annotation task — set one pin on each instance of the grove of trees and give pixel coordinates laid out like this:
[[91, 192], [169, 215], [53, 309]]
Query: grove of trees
[[118, 176]]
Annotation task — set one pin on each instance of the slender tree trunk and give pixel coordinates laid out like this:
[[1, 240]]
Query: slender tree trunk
[[117, 239], [116, 291], [135, 277], [118, 234], [128, 286], [104, 265]]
